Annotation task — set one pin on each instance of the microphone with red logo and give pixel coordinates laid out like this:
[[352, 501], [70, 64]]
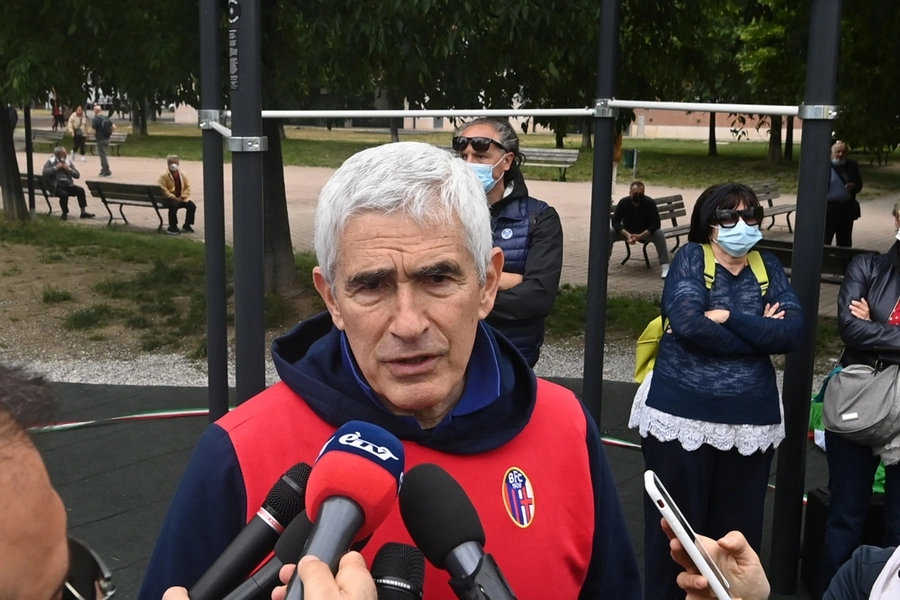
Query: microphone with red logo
[[352, 488], [443, 523], [285, 501]]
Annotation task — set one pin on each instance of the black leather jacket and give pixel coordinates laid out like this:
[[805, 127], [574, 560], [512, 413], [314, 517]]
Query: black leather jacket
[[877, 279]]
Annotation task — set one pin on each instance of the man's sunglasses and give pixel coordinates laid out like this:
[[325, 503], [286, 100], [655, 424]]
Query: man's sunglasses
[[89, 578], [479, 144], [729, 218]]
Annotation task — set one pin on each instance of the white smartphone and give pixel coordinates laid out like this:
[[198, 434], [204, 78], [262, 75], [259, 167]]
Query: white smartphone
[[685, 534]]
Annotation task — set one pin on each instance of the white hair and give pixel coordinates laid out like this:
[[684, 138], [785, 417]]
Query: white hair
[[421, 181]]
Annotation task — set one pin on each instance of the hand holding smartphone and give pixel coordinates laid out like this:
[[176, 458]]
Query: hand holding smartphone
[[685, 534]]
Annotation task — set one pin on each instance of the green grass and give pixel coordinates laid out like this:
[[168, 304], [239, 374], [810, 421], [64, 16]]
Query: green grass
[[97, 315], [53, 295]]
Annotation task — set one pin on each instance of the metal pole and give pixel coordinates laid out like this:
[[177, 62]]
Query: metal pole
[[29, 159], [214, 210], [806, 269], [601, 198], [245, 82]]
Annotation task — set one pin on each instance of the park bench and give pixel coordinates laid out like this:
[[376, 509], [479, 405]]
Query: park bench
[[47, 136], [670, 209], [767, 192], [39, 189], [557, 158], [114, 141], [835, 259], [127, 194]]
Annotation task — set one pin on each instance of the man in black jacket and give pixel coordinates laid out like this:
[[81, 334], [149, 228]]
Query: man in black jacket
[[842, 208], [637, 220]]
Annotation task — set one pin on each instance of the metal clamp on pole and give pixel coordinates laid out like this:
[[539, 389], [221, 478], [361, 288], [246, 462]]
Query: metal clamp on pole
[[603, 110], [819, 111], [247, 144], [206, 118]]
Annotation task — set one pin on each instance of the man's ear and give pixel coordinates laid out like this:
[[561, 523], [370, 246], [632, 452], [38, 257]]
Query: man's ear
[[491, 284], [325, 291]]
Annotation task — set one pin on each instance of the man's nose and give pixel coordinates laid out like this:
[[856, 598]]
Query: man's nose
[[409, 320]]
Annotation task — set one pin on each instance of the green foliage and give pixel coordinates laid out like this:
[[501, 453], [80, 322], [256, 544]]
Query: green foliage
[[53, 295], [97, 315]]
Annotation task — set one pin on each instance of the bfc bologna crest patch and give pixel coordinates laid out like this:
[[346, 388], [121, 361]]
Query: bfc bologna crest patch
[[518, 497]]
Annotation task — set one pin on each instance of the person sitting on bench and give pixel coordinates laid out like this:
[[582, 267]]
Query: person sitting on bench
[[59, 174], [177, 188], [637, 220]]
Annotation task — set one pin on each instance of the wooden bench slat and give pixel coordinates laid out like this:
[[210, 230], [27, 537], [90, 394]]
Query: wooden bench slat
[[38, 185], [127, 194]]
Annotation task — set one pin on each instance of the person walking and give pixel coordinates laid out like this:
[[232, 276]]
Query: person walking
[[103, 129], [78, 126]]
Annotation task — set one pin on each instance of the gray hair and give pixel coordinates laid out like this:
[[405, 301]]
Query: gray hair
[[172, 158], [59, 150], [505, 132], [421, 181], [896, 211]]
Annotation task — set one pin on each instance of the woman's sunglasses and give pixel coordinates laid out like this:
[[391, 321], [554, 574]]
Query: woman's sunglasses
[[479, 144], [89, 578], [729, 218]]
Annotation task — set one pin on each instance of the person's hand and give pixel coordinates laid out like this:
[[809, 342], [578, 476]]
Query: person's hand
[[860, 309], [176, 593], [771, 311], [718, 315], [352, 582], [508, 280], [850, 187], [734, 557]]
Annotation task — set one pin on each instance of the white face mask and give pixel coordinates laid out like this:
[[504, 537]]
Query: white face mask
[[173, 167]]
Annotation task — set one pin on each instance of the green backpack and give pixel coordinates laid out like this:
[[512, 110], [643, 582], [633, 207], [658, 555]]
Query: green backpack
[[648, 342]]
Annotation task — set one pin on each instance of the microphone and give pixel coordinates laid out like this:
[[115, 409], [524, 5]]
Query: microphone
[[399, 572], [352, 488], [443, 523], [285, 501]]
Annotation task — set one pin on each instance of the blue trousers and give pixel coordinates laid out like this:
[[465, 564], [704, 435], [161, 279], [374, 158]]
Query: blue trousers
[[851, 471], [716, 491]]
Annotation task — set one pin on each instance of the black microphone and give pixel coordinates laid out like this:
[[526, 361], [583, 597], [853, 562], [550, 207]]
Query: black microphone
[[287, 551], [444, 524], [286, 500], [399, 572]]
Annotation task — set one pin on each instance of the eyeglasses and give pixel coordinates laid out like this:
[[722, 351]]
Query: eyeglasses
[[89, 578], [479, 144], [729, 218]]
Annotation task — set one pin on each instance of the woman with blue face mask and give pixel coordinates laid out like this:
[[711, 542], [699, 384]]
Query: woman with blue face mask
[[710, 414], [527, 230]]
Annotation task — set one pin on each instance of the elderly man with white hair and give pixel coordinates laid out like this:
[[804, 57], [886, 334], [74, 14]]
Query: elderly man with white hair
[[408, 273]]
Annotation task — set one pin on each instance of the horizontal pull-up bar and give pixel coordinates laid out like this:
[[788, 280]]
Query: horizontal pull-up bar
[[750, 109]]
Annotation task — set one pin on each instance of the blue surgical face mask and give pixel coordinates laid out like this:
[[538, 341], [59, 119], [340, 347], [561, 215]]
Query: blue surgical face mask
[[738, 240], [485, 174]]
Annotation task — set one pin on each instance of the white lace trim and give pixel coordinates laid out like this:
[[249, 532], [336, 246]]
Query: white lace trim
[[693, 434]]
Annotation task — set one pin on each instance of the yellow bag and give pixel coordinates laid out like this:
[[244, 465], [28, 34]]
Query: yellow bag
[[647, 345]]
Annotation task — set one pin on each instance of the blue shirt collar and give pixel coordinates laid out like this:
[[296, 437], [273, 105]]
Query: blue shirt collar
[[482, 385]]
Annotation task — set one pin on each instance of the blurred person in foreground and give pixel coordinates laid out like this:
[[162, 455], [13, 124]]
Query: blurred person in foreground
[[709, 413], [528, 231], [869, 324], [408, 272]]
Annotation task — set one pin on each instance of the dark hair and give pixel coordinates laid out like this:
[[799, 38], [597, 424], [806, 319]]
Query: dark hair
[[636, 182], [507, 138], [25, 401], [720, 196]]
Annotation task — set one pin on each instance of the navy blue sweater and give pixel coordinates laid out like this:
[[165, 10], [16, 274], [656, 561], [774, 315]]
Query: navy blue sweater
[[722, 373]]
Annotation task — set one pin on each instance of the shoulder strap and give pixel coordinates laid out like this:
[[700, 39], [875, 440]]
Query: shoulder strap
[[753, 257]]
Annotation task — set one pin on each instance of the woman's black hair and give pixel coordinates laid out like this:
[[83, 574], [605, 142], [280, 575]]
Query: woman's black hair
[[717, 197], [507, 137]]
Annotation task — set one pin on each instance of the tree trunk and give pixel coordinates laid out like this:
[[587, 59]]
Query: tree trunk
[[775, 139], [560, 131], [278, 261], [713, 149], [789, 139], [586, 132], [14, 207]]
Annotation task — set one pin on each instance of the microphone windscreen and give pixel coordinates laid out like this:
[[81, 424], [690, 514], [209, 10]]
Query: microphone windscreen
[[362, 462], [398, 571], [287, 498], [289, 546], [437, 512]]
